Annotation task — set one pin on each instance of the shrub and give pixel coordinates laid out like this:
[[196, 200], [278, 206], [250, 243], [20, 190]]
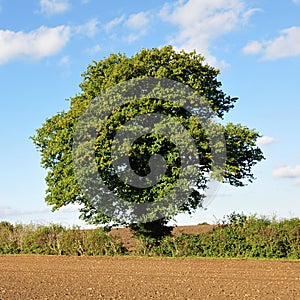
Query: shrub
[[56, 240], [236, 235]]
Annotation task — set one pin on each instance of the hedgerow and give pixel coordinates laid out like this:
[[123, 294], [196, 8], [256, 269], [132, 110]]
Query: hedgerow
[[56, 240], [236, 235]]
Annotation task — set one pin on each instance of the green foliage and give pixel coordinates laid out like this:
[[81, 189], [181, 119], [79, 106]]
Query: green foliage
[[56, 240], [90, 242], [155, 230], [41, 239], [54, 140], [238, 236], [8, 243]]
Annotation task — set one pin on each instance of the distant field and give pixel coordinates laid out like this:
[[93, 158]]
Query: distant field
[[70, 277]]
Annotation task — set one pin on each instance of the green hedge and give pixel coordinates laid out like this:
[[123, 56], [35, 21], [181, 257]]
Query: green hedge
[[56, 240], [236, 236]]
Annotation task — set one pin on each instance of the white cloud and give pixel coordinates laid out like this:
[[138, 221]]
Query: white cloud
[[70, 208], [97, 48], [51, 7], [6, 211], [65, 61], [133, 37], [287, 172], [200, 22], [297, 182], [85, 1], [35, 44], [297, 2], [266, 140], [137, 21], [138, 24], [253, 47], [113, 23], [90, 28], [287, 44]]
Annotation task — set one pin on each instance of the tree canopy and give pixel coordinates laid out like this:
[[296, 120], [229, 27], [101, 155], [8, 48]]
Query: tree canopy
[[55, 139]]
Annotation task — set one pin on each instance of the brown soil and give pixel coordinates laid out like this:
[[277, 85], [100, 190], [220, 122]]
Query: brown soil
[[58, 277], [129, 242]]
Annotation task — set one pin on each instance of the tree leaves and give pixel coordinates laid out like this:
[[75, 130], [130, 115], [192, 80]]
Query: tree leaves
[[54, 140]]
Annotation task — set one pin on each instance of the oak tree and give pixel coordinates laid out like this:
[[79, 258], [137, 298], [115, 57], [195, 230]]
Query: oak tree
[[55, 139]]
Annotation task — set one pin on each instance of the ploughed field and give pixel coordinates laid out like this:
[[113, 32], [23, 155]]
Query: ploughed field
[[63, 277]]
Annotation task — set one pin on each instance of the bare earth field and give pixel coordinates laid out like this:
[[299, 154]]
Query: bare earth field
[[59, 277]]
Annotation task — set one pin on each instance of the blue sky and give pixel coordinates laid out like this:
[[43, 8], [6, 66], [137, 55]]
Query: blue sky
[[45, 45]]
